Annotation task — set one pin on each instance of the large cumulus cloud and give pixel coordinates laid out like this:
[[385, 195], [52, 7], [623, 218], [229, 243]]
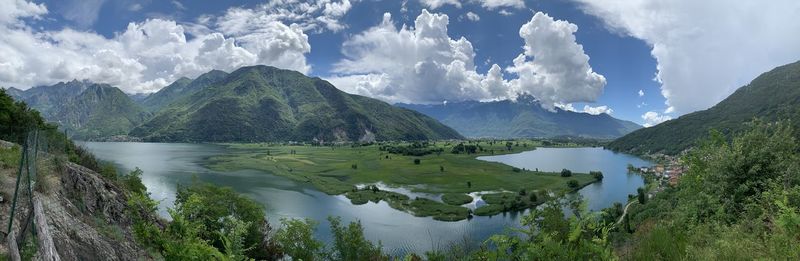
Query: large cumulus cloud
[[706, 49], [423, 64], [145, 56]]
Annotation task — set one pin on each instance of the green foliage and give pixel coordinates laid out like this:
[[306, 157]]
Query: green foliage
[[133, 181], [456, 199], [413, 149], [739, 200], [641, 195], [596, 174], [573, 184], [349, 243], [16, 119], [296, 239], [210, 206], [549, 235], [416, 161], [566, 173], [755, 100]]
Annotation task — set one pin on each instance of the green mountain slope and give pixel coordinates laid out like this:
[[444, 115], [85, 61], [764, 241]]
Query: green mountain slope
[[49, 100], [86, 110], [262, 103], [100, 111], [181, 88], [522, 119], [772, 96]]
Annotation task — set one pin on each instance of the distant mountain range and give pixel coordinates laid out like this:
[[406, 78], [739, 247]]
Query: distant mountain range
[[523, 118], [772, 96], [257, 103]]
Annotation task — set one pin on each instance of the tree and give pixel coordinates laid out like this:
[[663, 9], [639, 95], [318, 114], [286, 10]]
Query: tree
[[209, 206], [573, 183], [642, 196], [566, 173], [349, 242], [296, 238], [597, 175]]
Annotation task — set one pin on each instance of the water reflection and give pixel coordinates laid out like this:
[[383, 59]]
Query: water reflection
[[167, 164]]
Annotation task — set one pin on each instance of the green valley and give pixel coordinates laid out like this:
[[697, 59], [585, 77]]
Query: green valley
[[354, 171]]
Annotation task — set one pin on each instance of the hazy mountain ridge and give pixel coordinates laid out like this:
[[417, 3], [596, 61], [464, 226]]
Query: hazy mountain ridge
[[523, 118], [774, 95]]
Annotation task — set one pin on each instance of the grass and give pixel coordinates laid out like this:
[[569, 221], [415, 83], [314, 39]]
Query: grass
[[331, 170], [456, 199]]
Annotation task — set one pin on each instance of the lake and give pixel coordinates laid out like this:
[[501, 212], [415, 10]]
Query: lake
[[167, 164]]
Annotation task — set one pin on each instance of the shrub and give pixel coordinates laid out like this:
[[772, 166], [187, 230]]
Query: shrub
[[573, 183], [597, 175], [416, 161], [566, 173]]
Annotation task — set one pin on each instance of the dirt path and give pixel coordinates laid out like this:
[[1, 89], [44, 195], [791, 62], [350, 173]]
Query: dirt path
[[624, 212]]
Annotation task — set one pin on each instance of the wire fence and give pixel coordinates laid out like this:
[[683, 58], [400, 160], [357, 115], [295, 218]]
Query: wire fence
[[37, 148]]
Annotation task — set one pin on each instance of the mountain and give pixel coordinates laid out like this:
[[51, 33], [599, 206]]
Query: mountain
[[49, 100], [86, 110], [138, 97], [524, 118], [774, 95], [262, 103], [183, 87]]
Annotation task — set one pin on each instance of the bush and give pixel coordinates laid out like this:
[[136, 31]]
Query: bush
[[573, 183], [566, 173], [416, 161], [596, 174], [296, 238]]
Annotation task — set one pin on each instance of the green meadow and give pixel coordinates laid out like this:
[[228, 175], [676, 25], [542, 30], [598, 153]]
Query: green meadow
[[338, 169]]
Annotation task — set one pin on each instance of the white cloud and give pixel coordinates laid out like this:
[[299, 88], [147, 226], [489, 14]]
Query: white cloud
[[144, 57], [311, 16], [707, 49], [488, 4], [560, 70], [494, 4], [473, 16], [422, 64], [15, 9], [178, 5], [434, 4], [586, 108], [413, 64], [641, 93], [597, 110], [652, 118], [83, 12]]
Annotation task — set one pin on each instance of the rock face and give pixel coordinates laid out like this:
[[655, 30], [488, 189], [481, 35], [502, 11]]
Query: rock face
[[88, 220]]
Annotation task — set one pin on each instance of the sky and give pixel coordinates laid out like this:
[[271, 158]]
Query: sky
[[638, 60]]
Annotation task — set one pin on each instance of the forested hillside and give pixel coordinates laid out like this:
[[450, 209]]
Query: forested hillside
[[262, 103], [771, 96]]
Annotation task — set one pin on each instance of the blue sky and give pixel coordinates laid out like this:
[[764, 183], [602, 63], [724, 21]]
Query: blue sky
[[163, 40]]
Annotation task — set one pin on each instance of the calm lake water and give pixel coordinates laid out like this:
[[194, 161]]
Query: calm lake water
[[167, 164]]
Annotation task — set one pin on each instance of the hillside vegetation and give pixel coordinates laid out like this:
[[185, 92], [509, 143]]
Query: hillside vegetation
[[85, 110], [523, 118], [771, 96], [262, 103]]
